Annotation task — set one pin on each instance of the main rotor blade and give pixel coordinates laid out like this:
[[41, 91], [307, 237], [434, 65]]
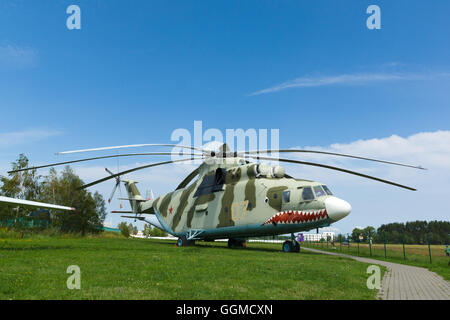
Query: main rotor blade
[[334, 168], [134, 169], [34, 203], [333, 154], [188, 179], [113, 191], [131, 146], [103, 157]]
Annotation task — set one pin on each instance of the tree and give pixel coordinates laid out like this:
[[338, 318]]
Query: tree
[[340, 238], [64, 189], [123, 227], [356, 233], [369, 233], [133, 229], [21, 185], [147, 230]]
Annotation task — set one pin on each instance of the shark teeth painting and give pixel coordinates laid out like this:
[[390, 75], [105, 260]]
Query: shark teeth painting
[[291, 216]]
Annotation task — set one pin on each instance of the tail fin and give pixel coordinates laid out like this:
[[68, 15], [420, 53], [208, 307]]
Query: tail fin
[[134, 196]]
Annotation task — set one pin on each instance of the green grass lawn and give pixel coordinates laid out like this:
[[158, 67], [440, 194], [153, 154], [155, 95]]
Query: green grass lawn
[[119, 268], [416, 255]]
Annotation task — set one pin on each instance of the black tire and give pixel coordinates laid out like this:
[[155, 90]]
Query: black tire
[[287, 246], [236, 243], [184, 242]]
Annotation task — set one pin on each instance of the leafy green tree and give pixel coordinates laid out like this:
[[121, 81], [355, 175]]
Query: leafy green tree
[[356, 233], [133, 229], [369, 233], [147, 230], [124, 229], [21, 185], [65, 189]]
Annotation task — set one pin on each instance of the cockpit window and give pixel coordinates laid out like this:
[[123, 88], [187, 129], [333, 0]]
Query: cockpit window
[[307, 194], [319, 191], [328, 191], [286, 196]]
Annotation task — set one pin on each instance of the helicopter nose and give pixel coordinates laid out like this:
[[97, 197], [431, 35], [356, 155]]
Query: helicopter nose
[[337, 208]]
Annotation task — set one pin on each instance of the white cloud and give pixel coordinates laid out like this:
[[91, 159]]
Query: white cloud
[[347, 79], [429, 149], [17, 56], [9, 139], [376, 203]]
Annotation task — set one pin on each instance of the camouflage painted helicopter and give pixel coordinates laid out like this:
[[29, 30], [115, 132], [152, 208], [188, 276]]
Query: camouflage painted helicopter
[[230, 197]]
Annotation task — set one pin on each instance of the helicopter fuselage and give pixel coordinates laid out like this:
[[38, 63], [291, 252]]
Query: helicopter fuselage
[[233, 198]]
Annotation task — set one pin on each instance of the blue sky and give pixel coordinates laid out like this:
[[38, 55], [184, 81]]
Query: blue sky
[[135, 72]]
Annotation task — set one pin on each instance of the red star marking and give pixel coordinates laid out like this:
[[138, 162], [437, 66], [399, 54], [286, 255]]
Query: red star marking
[[170, 210]]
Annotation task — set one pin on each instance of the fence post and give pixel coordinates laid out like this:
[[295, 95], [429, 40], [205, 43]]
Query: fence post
[[358, 246], [384, 233], [403, 240], [429, 248], [370, 244]]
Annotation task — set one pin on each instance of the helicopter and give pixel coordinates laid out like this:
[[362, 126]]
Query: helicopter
[[230, 196]]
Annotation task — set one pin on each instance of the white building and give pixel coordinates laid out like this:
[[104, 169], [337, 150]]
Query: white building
[[317, 236], [138, 235]]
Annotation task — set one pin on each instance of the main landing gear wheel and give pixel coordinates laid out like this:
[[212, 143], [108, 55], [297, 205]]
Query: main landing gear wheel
[[236, 243], [184, 242], [291, 246]]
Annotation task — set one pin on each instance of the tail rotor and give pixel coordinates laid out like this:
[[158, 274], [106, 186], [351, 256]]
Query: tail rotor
[[117, 185]]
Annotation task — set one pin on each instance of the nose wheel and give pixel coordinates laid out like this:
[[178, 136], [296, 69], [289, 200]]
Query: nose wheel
[[184, 242], [291, 246], [236, 243]]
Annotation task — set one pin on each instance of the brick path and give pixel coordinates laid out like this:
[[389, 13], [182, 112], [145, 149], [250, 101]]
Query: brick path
[[403, 282]]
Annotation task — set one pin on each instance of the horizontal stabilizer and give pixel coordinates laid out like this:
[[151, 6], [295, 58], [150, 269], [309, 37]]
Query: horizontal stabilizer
[[133, 199], [134, 217]]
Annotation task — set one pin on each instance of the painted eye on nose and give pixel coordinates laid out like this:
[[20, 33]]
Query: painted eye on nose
[[266, 200]]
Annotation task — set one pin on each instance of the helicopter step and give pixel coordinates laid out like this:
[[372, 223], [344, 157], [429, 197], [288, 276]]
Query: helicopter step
[[236, 243], [291, 246]]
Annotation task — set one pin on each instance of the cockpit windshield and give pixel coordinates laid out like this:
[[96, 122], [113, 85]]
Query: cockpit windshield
[[307, 194], [319, 191], [328, 191]]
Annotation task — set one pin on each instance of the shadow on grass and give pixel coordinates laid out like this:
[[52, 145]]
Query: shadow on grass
[[258, 248]]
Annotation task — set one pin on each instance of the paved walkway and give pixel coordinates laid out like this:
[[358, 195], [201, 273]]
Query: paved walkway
[[403, 282]]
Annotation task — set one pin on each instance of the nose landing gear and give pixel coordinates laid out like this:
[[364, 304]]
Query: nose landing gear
[[291, 245], [236, 243], [184, 242]]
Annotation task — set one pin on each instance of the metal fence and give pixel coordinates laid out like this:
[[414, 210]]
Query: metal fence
[[399, 252]]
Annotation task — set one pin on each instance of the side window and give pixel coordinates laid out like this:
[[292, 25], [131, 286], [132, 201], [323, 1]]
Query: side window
[[211, 183], [286, 196], [319, 191], [307, 194]]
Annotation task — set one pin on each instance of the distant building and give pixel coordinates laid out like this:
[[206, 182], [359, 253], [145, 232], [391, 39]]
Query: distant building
[[140, 234], [317, 236]]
